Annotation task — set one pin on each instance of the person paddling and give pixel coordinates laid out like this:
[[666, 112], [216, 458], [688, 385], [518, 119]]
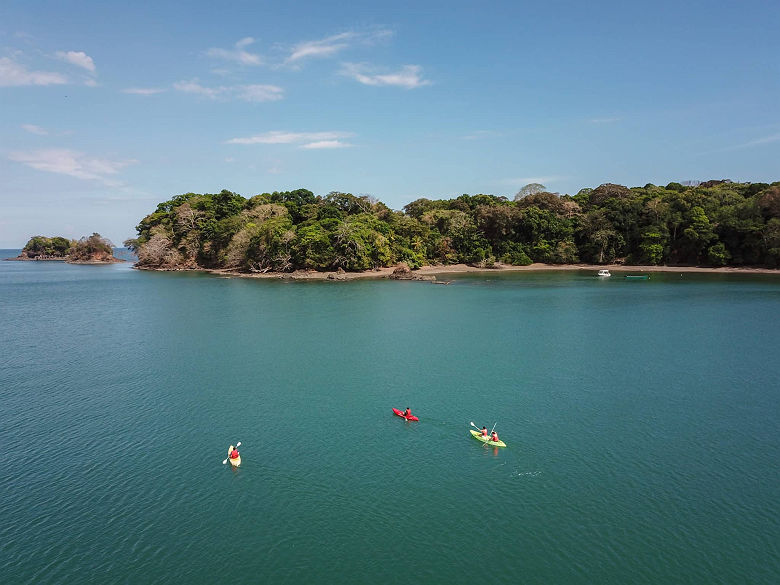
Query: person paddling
[[494, 437], [408, 412], [484, 432], [234, 454]]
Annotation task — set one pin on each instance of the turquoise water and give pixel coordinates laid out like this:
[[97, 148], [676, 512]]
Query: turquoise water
[[641, 419]]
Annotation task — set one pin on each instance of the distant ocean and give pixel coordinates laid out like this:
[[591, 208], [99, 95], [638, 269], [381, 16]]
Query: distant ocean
[[641, 419]]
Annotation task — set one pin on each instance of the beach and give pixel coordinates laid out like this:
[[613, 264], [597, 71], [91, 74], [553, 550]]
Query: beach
[[435, 272]]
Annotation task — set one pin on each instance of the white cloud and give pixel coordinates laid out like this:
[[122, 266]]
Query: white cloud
[[13, 74], [326, 144], [70, 162], [322, 48], [143, 90], [278, 137], [33, 129], [237, 54], [331, 45], [247, 93], [259, 93], [198, 89], [409, 77], [77, 58]]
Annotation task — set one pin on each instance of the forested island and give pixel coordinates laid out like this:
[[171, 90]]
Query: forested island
[[716, 223], [94, 249]]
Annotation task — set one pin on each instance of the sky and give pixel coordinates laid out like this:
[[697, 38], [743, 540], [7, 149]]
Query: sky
[[109, 108]]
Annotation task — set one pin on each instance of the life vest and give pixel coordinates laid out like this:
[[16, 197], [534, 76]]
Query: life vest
[[408, 412], [484, 432], [495, 437], [234, 454]]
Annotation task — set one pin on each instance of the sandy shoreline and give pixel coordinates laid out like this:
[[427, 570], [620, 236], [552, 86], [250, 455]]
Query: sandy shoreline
[[438, 273]]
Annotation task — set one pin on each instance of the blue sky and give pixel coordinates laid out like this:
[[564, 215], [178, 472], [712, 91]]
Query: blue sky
[[108, 108]]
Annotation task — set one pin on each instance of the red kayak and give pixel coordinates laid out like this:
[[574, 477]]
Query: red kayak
[[402, 415]]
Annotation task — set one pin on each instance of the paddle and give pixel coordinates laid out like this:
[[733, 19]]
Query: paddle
[[228, 457], [476, 427], [480, 430], [491, 430]]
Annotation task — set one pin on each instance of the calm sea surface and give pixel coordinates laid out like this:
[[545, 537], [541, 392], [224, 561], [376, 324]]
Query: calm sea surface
[[641, 417]]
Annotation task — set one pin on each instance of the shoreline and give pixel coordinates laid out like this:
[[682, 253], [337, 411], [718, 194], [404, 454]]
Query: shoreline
[[113, 260], [20, 259], [430, 273]]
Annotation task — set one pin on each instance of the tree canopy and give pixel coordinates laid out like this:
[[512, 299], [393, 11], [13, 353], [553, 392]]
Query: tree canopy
[[714, 223], [47, 247], [94, 248]]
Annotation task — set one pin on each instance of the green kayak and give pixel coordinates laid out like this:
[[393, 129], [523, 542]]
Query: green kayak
[[478, 436]]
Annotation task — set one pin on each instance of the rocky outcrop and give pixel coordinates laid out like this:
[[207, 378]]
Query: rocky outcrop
[[403, 272]]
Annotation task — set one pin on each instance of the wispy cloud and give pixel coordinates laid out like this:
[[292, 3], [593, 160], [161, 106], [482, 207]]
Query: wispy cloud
[[143, 90], [310, 140], [322, 48], [750, 144], [409, 77], [237, 53], [259, 93], [72, 163], [606, 120], [481, 135], [325, 144], [77, 58], [758, 142], [334, 44], [198, 89], [247, 93], [33, 129], [12, 74]]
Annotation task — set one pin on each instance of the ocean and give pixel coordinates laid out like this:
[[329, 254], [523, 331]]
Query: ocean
[[641, 422]]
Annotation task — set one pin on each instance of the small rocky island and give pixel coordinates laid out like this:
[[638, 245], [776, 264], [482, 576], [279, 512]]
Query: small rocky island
[[94, 249]]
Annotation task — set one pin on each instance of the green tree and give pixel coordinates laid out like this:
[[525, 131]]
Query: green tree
[[652, 247], [312, 247], [270, 246], [598, 239], [718, 255], [697, 235]]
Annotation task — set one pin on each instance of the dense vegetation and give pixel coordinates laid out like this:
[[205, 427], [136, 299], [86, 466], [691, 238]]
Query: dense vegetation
[[43, 247], [715, 223], [91, 249], [87, 249]]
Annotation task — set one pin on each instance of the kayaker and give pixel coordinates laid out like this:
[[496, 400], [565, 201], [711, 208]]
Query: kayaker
[[408, 412], [494, 437], [234, 454], [484, 432]]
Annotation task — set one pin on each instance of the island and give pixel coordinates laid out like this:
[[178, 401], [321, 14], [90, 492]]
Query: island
[[94, 249], [716, 224]]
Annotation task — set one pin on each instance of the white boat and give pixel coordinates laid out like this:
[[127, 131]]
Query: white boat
[[604, 272]]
